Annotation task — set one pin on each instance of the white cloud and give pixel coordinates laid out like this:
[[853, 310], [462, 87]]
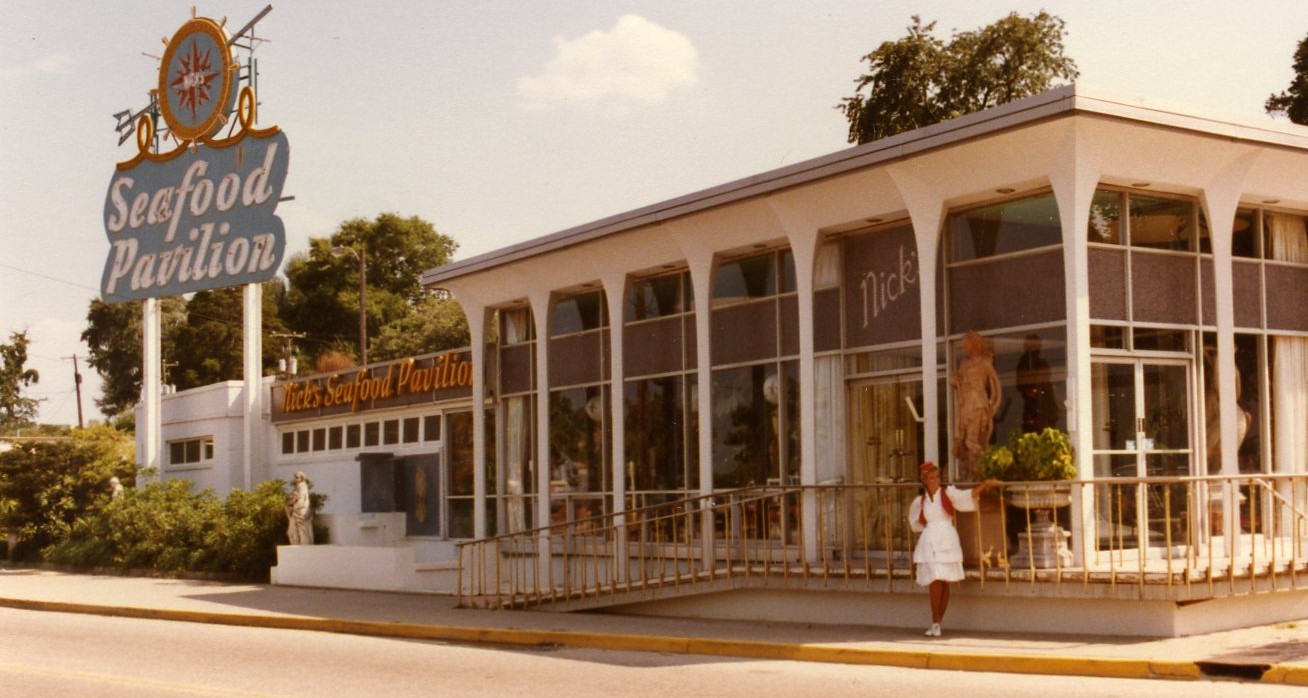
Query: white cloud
[[50, 64], [635, 61]]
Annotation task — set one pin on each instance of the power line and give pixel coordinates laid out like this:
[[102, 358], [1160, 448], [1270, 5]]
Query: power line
[[47, 277]]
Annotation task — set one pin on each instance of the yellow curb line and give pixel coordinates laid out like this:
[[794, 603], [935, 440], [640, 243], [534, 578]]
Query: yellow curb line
[[1103, 667]]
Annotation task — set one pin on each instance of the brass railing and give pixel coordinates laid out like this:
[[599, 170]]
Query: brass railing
[[1206, 535]]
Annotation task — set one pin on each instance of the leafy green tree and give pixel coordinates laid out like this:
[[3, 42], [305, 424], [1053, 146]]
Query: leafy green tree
[[55, 481], [920, 80], [437, 323], [113, 336], [208, 347], [202, 341], [1293, 101], [16, 411], [322, 300]]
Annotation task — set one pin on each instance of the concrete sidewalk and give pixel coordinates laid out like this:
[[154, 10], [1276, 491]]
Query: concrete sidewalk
[[1271, 654]]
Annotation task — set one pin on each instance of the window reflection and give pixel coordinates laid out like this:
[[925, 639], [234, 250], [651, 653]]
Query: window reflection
[[1009, 226], [755, 425], [658, 433], [1161, 224]]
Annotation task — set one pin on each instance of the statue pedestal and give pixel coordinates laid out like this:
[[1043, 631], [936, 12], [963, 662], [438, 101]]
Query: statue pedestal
[[1043, 545]]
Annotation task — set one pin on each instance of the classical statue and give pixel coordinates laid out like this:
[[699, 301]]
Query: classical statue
[[115, 488], [299, 528], [976, 397]]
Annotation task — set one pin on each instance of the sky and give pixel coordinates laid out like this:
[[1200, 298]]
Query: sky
[[504, 121]]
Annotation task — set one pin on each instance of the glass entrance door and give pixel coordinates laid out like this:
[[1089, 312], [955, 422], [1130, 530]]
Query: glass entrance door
[[885, 447], [1142, 429]]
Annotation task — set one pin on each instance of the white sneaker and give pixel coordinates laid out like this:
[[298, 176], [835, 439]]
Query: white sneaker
[[933, 631]]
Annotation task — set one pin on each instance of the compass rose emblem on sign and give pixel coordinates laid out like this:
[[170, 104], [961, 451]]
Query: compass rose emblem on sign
[[195, 80]]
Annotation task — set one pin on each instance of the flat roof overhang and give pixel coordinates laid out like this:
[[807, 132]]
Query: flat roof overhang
[[1060, 102]]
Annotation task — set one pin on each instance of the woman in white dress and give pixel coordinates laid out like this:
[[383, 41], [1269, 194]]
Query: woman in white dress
[[939, 554]]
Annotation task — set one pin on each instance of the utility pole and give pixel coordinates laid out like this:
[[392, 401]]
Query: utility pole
[[287, 364], [167, 365], [77, 382]]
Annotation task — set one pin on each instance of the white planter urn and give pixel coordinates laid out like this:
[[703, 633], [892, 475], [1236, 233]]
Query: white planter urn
[[1044, 543]]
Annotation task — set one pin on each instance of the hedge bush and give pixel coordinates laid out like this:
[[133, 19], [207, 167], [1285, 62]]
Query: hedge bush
[[45, 486], [168, 528]]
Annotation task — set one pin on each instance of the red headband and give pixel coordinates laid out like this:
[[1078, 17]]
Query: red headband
[[927, 467]]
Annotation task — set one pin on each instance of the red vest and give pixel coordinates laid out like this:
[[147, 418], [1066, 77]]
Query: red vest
[[944, 501]]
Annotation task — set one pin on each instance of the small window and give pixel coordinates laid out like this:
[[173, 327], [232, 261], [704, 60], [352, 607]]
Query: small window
[[789, 283], [190, 451], [302, 441], [579, 313], [371, 434], [411, 427], [1161, 224], [1245, 238], [319, 439], [288, 442], [352, 433], [1107, 337], [660, 296], [335, 438], [1006, 227], [516, 326], [1106, 217], [431, 428], [391, 432], [743, 279], [1152, 339]]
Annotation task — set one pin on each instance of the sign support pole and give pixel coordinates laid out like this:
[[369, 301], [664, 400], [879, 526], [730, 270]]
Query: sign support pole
[[151, 385], [253, 353]]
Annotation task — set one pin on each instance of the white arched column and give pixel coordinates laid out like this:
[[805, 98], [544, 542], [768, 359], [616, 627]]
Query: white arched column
[[699, 260], [926, 210], [615, 293], [540, 301], [1220, 198], [479, 318], [1074, 178], [803, 236]]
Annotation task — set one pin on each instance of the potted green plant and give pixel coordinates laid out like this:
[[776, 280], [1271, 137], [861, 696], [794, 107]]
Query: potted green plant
[[1040, 464], [1038, 456]]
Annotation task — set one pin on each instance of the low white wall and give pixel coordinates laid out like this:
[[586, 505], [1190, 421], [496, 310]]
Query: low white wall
[[384, 529], [978, 613]]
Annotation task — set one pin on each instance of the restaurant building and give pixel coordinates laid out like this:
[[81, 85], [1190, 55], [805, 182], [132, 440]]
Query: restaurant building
[[717, 405]]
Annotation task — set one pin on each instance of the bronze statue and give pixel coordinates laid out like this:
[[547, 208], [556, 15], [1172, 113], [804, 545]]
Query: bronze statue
[[976, 397]]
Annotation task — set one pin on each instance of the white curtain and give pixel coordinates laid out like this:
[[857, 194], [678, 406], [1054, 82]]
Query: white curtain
[[826, 268], [1289, 243], [516, 325], [518, 445], [1289, 238], [828, 384]]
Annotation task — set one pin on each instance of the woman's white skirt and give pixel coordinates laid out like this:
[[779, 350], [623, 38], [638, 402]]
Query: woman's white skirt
[[939, 554]]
